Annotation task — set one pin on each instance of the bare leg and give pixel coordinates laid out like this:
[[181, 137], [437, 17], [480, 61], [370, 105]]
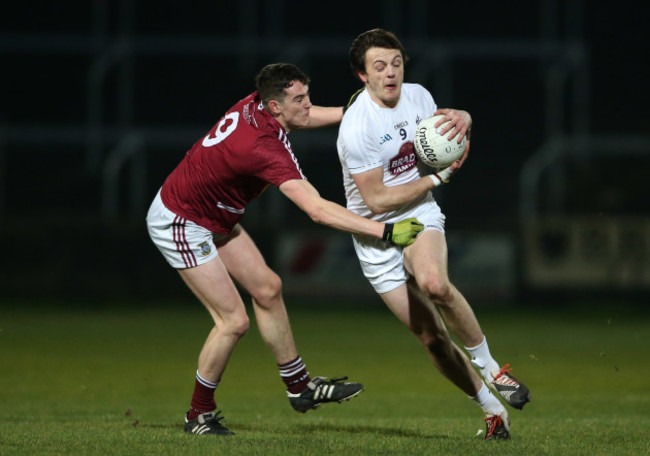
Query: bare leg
[[426, 260], [424, 321], [247, 266], [212, 285]]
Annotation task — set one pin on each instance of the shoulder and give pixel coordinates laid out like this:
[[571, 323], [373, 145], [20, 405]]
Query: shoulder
[[418, 97], [358, 111], [265, 127], [353, 98], [414, 90]]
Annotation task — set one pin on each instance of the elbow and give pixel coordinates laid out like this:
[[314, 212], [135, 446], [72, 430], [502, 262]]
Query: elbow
[[378, 207], [318, 215], [319, 211]]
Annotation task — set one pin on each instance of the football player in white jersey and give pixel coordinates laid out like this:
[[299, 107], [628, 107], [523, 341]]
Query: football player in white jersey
[[383, 182]]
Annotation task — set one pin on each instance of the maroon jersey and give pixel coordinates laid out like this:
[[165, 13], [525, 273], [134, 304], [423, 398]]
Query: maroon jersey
[[242, 154]]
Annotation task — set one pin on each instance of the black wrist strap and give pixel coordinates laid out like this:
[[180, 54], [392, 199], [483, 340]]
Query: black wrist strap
[[388, 232]]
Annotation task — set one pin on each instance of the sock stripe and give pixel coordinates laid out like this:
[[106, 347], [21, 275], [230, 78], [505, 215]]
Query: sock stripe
[[291, 364], [290, 373], [291, 368], [294, 375], [204, 382]]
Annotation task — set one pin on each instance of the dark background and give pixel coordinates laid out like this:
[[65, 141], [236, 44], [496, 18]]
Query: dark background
[[101, 99]]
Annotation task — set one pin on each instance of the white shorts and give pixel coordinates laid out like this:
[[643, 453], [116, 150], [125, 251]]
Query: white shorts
[[383, 264], [183, 243]]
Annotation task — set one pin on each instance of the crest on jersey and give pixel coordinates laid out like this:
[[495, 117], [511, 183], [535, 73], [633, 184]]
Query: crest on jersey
[[404, 160]]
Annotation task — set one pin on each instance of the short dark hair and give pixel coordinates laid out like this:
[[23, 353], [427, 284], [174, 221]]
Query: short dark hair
[[372, 38], [274, 78]]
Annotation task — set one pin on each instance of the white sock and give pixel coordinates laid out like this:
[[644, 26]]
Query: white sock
[[488, 402], [482, 359]]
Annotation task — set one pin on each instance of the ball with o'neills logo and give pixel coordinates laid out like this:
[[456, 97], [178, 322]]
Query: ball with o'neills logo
[[432, 148]]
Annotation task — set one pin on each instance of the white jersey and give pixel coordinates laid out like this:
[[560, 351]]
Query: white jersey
[[371, 136]]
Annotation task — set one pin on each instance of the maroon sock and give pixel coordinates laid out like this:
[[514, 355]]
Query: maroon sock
[[203, 397], [294, 374]]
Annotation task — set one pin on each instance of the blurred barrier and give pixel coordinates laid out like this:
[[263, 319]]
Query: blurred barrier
[[584, 224], [131, 148], [588, 252], [552, 158]]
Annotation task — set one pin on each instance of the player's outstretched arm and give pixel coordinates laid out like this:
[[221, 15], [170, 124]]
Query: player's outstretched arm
[[321, 116], [326, 212]]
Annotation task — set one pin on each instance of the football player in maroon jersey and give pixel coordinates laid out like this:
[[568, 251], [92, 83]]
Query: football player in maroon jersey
[[194, 222]]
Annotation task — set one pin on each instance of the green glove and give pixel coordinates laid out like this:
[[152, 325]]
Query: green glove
[[402, 233]]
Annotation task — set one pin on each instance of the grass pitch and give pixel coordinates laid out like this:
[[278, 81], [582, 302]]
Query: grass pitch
[[116, 379]]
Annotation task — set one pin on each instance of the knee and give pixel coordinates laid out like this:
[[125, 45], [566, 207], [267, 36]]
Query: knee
[[437, 288], [237, 324], [269, 291]]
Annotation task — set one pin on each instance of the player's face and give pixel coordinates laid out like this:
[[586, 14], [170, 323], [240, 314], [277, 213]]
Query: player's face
[[384, 75], [295, 107]]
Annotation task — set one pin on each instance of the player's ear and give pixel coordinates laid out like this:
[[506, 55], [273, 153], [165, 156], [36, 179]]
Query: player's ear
[[275, 107], [362, 77]]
